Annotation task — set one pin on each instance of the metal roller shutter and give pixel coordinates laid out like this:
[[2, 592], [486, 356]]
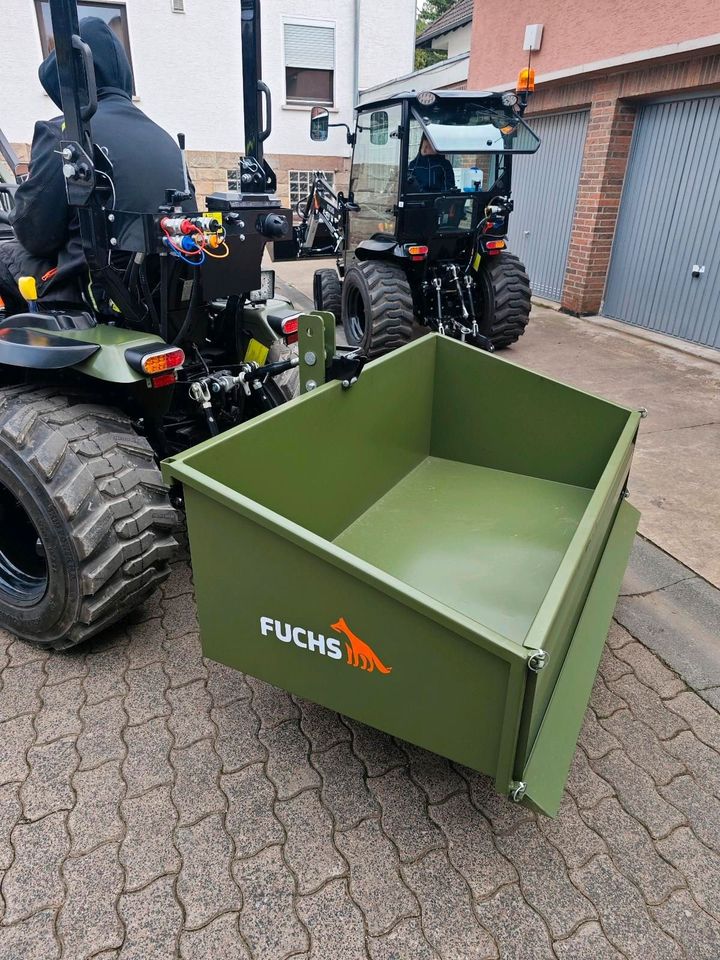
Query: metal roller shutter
[[670, 222], [544, 190]]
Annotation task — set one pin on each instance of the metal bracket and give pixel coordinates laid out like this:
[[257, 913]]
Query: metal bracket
[[518, 789], [537, 660], [318, 360]]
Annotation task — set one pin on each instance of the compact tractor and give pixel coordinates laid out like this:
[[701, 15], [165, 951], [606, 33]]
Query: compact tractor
[[177, 337], [421, 237]]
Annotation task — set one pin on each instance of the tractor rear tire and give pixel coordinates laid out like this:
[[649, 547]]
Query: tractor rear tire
[[327, 292], [503, 299], [377, 307], [86, 526]]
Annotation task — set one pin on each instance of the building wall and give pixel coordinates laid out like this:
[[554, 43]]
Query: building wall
[[455, 42], [183, 90], [581, 31]]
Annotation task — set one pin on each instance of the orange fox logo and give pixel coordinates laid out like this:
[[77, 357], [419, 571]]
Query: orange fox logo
[[359, 654]]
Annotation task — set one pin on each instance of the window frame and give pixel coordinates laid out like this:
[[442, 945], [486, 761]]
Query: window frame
[[124, 22], [307, 22]]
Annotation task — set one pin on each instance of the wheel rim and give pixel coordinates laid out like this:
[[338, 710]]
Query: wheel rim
[[355, 315], [23, 564]]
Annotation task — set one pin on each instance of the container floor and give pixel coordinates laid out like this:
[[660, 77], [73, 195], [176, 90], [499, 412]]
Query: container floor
[[485, 542]]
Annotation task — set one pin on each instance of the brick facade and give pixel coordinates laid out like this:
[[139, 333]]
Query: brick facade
[[612, 99]]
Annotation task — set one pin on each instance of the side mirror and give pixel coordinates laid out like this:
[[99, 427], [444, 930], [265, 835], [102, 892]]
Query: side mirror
[[319, 123], [379, 128]]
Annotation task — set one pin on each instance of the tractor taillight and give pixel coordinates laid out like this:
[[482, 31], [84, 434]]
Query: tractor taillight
[[416, 251], [163, 379], [289, 327], [494, 246], [162, 360]]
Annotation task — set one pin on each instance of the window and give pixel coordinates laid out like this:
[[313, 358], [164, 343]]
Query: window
[[301, 183], [114, 15], [375, 175], [309, 63], [233, 180]]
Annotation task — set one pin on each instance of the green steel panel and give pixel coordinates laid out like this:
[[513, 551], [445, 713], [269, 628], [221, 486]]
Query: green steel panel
[[552, 752], [109, 363]]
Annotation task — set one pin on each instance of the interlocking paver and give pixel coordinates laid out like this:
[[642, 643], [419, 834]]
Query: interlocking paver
[[60, 712], [183, 661], [145, 698], [68, 665], [34, 880], [321, 726], [570, 835], [152, 920], [196, 791], [705, 721], [643, 747], [101, 738], [31, 939], [335, 923], [472, 849], [446, 909], [516, 928], [433, 774], [699, 865], [375, 881], [49, 785], [309, 849], [16, 736], [105, 677], [377, 750], [611, 667], [20, 652], [145, 647], [587, 943], [404, 815], [604, 702], [404, 940], [219, 940], [343, 776], [148, 849], [544, 880], [147, 763], [272, 705], [88, 921], [268, 920], [288, 763], [250, 816], [190, 717], [226, 685], [205, 885], [584, 784], [502, 815], [95, 818], [238, 743], [180, 615], [650, 670], [638, 794], [647, 706], [10, 813], [701, 760], [595, 740], [697, 932], [633, 850], [700, 807], [20, 692], [623, 913]]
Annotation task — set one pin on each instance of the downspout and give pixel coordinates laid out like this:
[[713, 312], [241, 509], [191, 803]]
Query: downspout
[[356, 57]]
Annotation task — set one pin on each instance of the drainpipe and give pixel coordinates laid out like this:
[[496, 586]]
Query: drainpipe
[[356, 57]]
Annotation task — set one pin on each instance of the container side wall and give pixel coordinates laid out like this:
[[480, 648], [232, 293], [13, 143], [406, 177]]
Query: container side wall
[[263, 602], [490, 412], [326, 458]]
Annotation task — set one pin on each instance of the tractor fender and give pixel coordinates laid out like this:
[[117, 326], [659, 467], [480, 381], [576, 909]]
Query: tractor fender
[[41, 350]]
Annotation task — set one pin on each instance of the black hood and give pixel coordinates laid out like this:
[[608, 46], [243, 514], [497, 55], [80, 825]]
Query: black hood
[[112, 67]]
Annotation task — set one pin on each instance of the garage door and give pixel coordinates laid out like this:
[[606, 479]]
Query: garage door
[[665, 267], [544, 190]]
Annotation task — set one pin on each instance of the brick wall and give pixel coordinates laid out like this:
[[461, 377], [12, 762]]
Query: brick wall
[[612, 100]]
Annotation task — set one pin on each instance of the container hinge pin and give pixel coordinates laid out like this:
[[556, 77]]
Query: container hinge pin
[[518, 789], [537, 660]]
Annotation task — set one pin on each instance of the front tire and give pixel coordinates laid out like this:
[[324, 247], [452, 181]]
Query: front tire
[[377, 307], [503, 302], [327, 292], [86, 527]]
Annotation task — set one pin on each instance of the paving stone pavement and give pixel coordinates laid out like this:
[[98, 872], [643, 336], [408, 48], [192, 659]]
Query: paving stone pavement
[[157, 805]]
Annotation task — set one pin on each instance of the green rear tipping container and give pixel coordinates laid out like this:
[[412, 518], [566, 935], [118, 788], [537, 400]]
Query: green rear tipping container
[[436, 552]]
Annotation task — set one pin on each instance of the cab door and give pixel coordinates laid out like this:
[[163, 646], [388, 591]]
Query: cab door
[[375, 175]]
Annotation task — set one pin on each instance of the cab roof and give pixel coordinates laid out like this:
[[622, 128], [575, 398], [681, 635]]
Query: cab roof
[[440, 94]]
